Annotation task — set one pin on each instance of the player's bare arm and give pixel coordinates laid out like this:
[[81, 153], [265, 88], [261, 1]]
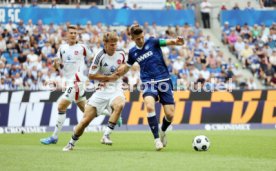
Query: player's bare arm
[[56, 63], [104, 78], [177, 41], [123, 69]]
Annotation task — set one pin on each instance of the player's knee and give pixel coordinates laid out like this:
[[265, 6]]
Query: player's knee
[[61, 109], [119, 105], [150, 108], [169, 116]]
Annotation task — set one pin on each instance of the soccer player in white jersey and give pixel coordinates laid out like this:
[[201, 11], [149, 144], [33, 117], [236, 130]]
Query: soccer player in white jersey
[[109, 93], [70, 58]]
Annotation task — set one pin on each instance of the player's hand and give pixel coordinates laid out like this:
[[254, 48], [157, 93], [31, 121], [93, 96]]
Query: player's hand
[[121, 70], [180, 41]]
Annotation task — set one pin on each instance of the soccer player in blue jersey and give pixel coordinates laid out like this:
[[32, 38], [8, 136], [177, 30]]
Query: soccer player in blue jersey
[[155, 77]]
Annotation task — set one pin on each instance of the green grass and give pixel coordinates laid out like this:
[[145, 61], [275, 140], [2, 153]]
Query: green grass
[[230, 150]]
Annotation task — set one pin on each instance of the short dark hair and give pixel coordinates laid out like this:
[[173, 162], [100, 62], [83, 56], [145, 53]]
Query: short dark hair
[[136, 29], [72, 27]]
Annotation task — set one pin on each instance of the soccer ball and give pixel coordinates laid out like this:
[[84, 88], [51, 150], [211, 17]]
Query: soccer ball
[[201, 143]]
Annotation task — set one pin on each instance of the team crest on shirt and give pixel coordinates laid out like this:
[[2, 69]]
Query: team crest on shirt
[[146, 47], [76, 52], [113, 68], [119, 61]]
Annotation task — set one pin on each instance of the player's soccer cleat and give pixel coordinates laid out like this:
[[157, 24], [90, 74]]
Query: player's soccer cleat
[[158, 144], [68, 147], [106, 140], [49, 140], [163, 138]]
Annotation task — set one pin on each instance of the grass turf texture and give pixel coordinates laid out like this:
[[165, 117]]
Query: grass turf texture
[[230, 150]]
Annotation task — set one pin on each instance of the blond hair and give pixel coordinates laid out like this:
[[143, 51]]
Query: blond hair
[[110, 37]]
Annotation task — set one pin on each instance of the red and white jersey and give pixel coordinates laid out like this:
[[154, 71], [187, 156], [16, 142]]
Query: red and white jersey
[[107, 65], [72, 59]]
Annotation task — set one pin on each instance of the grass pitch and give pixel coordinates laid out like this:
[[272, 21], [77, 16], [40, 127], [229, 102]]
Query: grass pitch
[[230, 150]]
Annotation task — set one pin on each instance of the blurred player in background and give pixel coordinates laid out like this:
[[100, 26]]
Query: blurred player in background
[[109, 93], [155, 79], [70, 58]]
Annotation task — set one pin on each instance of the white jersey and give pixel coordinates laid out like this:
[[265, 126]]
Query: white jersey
[[107, 65], [72, 58]]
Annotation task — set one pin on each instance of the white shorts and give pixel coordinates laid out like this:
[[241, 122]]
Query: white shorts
[[103, 100], [74, 93]]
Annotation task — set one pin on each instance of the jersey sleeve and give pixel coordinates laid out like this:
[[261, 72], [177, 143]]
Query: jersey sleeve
[[158, 42], [87, 52], [130, 60], [59, 55], [95, 66]]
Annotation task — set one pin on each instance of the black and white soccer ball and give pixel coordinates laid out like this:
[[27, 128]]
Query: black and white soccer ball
[[201, 143]]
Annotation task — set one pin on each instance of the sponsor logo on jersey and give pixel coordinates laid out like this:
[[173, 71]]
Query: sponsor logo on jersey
[[105, 65], [112, 69], [144, 56], [76, 52]]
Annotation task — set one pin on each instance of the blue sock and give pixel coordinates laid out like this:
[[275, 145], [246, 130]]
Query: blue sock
[[165, 124], [153, 124]]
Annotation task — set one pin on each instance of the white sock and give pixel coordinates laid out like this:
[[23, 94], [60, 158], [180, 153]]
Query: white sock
[[60, 120], [73, 140], [107, 131]]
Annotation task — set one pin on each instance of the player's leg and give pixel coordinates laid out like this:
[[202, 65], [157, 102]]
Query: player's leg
[[81, 105], [149, 101], [167, 120], [62, 107], [90, 113], [107, 112], [165, 91], [117, 105]]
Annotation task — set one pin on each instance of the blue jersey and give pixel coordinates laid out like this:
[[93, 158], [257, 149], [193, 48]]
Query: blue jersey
[[150, 59]]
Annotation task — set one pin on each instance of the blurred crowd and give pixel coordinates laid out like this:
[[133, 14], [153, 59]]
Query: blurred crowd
[[255, 47], [27, 50]]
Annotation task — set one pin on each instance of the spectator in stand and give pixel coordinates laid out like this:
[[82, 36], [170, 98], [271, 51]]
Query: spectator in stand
[[178, 5], [125, 6], [93, 5], [248, 6], [225, 32], [232, 39], [205, 13], [251, 84], [273, 81], [223, 7], [272, 59], [3, 46], [21, 28], [239, 46], [191, 5], [10, 26], [169, 5], [268, 73], [245, 54], [54, 4], [236, 7], [238, 29], [255, 32]]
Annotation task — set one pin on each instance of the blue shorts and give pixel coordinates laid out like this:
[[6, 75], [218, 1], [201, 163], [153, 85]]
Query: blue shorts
[[161, 91]]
